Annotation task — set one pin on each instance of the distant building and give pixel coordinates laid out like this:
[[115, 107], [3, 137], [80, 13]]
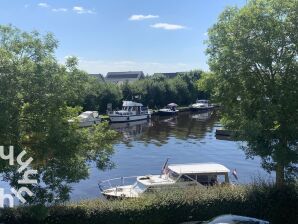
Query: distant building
[[98, 76], [168, 75], [121, 77]]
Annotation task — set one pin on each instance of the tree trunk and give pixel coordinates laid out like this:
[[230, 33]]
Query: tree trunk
[[280, 175]]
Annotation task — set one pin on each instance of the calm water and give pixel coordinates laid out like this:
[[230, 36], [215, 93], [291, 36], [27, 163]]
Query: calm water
[[188, 138]]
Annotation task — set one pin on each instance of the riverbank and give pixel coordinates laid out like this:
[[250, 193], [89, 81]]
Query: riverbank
[[262, 201]]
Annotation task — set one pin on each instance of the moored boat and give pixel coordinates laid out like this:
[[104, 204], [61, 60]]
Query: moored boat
[[201, 105], [131, 111], [173, 175], [87, 119], [170, 109]]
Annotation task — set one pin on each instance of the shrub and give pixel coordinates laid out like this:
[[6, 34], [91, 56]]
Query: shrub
[[262, 201]]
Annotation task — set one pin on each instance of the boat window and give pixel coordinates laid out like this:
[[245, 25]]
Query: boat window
[[187, 178], [203, 179], [139, 187]]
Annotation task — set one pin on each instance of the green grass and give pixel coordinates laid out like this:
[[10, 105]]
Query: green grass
[[263, 201]]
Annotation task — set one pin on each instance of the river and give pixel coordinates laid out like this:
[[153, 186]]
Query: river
[[187, 138]]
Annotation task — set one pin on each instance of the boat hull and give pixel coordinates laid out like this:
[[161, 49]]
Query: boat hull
[[167, 113], [201, 108], [88, 123], [128, 118]]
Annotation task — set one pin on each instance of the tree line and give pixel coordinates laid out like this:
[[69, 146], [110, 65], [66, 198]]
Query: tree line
[[155, 91]]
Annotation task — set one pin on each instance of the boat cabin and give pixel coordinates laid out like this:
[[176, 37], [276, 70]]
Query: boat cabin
[[203, 173]]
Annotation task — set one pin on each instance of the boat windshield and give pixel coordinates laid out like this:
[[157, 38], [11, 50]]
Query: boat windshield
[[139, 187], [173, 175]]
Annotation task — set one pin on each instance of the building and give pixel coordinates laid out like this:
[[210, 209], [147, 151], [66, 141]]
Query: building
[[98, 76], [121, 77]]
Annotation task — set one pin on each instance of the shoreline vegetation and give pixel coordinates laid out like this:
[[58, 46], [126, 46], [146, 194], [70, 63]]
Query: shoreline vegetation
[[260, 200]]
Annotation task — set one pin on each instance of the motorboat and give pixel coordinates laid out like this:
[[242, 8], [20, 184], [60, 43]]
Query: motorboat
[[170, 109], [131, 111], [87, 119], [201, 105], [173, 175]]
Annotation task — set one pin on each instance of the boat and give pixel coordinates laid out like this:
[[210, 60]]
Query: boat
[[172, 176], [131, 111], [170, 109], [201, 105], [87, 119]]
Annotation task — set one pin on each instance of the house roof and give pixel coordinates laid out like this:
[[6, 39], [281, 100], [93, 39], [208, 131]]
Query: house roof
[[125, 75], [197, 168]]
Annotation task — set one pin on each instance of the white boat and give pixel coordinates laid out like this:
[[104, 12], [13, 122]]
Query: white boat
[[169, 110], [173, 175], [87, 119], [201, 105], [131, 111]]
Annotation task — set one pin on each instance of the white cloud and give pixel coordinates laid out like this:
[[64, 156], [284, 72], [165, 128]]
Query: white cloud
[[168, 26], [103, 67], [142, 17], [43, 5], [82, 10], [60, 10]]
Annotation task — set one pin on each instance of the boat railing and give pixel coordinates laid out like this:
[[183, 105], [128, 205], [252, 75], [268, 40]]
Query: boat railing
[[116, 182]]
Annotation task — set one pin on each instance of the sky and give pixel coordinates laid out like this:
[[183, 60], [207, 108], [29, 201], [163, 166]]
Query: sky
[[153, 36]]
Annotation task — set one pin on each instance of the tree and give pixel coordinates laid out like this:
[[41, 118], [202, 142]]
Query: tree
[[253, 54], [37, 97]]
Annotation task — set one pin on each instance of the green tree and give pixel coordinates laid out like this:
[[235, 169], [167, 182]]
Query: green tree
[[253, 53], [37, 97]]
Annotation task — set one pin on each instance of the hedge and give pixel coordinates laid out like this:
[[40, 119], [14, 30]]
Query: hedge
[[262, 201]]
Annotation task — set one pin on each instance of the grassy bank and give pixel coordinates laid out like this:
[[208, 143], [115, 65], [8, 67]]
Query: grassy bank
[[261, 201]]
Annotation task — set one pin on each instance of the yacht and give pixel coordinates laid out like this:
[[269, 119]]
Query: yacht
[[131, 111], [87, 119], [201, 105], [170, 109], [173, 175]]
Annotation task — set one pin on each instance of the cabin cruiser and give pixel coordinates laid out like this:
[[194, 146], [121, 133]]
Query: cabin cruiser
[[131, 111], [87, 119], [170, 109], [201, 105], [173, 175]]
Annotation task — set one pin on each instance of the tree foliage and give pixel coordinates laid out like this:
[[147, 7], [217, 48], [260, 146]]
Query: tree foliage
[[37, 97], [253, 55], [155, 91]]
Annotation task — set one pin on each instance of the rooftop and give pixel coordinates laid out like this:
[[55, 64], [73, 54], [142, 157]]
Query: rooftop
[[198, 168], [125, 75]]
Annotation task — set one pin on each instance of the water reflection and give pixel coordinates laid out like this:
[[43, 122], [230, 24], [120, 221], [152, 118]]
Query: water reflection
[[131, 130], [157, 131]]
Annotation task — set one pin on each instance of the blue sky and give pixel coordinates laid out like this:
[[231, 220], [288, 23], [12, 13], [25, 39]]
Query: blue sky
[[123, 35]]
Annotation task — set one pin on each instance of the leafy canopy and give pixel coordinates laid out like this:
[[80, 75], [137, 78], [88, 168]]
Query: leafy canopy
[[253, 54]]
